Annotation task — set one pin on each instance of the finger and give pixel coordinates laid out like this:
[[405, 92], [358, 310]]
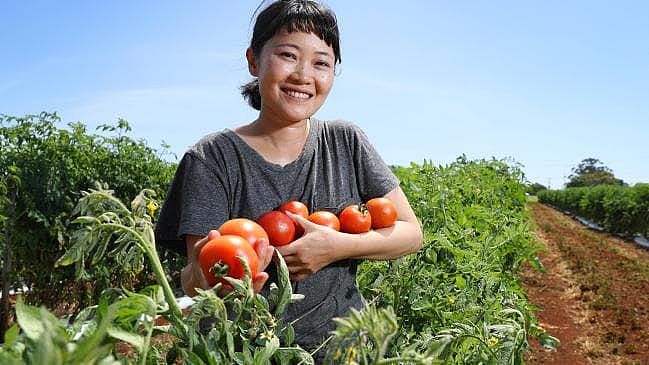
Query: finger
[[294, 269], [224, 289], [305, 223], [186, 277], [213, 234], [292, 260], [199, 277], [265, 253], [258, 281], [268, 257], [202, 242], [300, 275], [289, 249]]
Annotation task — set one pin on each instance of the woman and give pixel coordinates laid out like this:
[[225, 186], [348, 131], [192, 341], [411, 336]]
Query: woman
[[286, 154]]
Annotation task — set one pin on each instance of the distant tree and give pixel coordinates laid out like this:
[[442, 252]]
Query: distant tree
[[591, 172], [534, 188]]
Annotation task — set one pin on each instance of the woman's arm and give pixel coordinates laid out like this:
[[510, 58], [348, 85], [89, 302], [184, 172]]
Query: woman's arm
[[321, 246]]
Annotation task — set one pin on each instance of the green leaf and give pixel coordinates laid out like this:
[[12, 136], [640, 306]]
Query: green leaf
[[10, 336], [29, 319], [283, 295], [72, 255], [133, 338], [460, 282], [263, 355], [8, 359], [85, 220], [289, 335], [43, 351]]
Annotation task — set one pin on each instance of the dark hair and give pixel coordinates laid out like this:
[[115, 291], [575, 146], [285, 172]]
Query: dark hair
[[295, 16]]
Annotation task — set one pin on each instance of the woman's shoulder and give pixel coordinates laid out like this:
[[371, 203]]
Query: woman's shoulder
[[339, 127], [213, 143]]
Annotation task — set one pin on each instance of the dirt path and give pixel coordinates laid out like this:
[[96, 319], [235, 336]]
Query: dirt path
[[594, 295]]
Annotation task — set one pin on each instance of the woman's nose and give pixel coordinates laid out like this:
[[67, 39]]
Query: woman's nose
[[301, 72]]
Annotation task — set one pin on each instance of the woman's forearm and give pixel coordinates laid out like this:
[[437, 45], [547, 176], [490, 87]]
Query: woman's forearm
[[387, 243]]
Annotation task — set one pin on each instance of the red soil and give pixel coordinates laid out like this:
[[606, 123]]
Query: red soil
[[594, 295]]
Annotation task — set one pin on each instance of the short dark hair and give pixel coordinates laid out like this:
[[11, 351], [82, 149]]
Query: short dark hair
[[295, 16]]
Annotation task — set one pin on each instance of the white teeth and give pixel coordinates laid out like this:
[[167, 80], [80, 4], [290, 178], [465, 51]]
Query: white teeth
[[297, 94]]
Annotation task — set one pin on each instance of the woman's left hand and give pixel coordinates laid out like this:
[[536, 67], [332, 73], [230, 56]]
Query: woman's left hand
[[311, 252]]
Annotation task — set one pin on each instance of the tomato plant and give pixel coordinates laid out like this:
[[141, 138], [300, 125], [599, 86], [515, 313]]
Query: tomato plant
[[246, 228], [279, 227], [227, 250], [70, 157], [355, 219], [383, 212], [296, 207], [326, 219]]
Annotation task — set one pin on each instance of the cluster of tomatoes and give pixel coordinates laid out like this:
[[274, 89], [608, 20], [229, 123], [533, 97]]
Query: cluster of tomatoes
[[239, 236]]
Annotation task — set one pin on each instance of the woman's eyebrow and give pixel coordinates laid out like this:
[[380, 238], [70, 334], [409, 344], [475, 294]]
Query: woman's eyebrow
[[293, 45]]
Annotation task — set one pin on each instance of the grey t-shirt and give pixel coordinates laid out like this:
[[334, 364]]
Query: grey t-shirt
[[221, 177]]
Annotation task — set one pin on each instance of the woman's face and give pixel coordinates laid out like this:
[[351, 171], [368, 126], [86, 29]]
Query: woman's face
[[296, 73]]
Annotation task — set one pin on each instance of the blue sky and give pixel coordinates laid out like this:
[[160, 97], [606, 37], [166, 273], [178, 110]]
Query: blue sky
[[547, 83]]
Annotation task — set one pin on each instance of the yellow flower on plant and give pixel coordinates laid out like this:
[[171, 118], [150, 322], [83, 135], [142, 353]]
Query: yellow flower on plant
[[153, 206], [493, 341]]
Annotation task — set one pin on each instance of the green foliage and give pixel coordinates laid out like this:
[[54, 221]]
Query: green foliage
[[459, 299], [44, 339], [240, 328], [460, 294], [592, 172], [618, 209], [53, 165]]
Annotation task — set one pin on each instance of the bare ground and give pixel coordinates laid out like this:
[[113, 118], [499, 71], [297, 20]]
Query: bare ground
[[594, 295]]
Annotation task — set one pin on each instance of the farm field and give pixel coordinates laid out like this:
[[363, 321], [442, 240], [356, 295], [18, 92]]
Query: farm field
[[458, 300], [595, 293]]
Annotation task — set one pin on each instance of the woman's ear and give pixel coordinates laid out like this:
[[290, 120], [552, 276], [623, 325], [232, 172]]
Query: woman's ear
[[252, 62]]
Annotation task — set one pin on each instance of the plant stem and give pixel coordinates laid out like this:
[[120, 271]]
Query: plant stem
[[149, 250]]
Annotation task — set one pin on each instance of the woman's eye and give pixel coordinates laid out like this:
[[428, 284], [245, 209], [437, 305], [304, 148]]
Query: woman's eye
[[323, 64], [288, 55]]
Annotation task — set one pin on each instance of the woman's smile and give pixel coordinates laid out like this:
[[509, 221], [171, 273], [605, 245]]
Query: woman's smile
[[297, 94]]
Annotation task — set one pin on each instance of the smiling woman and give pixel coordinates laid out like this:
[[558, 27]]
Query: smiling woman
[[287, 155]]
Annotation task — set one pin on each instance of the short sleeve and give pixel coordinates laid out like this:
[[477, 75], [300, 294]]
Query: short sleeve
[[196, 203], [372, 173]]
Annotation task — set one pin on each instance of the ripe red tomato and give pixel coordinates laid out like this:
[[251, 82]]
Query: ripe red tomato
[[226, 250], [279, 227], [245, 228], [298, 208], [383, 212], [355, 219], [325, 218]]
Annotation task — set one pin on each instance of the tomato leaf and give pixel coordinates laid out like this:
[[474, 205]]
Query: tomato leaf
[[281, 294], [10, 336], [29, 319], [263, 355]]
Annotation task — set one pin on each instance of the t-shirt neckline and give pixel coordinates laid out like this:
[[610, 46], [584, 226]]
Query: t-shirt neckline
[[262, 162]]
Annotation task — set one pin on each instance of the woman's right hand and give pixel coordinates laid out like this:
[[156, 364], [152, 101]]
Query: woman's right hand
[[191, 276]]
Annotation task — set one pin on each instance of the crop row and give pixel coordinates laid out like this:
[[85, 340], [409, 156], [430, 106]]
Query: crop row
[[618, 209], [461, 294]]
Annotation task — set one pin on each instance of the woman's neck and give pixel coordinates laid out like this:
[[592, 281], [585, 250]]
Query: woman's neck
[[278, 144]]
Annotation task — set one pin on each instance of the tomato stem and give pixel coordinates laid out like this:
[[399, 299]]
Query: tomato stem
[[219, 269]]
